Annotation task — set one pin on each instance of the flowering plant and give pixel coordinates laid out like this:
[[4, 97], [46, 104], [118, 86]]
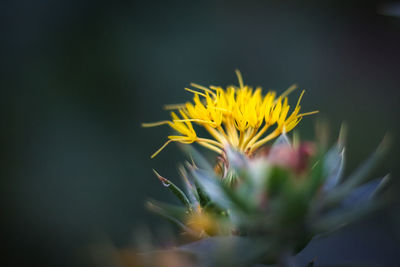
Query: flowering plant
[[274, 197]]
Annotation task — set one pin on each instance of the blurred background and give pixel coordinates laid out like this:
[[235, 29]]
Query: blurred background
[[78, 78]]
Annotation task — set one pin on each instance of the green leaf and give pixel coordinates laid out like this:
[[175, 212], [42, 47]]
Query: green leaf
[[213, 208], [204, 198], [212, 187], [382, 185], [175, 190], [190, 187], [358, 177], [333, 167], [171, 213], [362, 193], [238, 202]]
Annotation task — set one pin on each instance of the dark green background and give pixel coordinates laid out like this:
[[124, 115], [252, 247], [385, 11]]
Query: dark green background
[[80, 76]]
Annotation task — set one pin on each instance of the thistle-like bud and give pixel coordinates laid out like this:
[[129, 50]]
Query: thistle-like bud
[[280, 197], [276, 196]]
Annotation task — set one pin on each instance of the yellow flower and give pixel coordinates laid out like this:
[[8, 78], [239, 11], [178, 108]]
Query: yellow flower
[[239, 117]]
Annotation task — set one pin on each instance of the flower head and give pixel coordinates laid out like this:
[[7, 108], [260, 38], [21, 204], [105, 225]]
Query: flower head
[[239, 117]]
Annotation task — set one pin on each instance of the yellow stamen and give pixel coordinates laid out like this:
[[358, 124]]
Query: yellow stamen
[[195, 120], [240, 78], [238, 116], [211, 147], [308, 113], [161, 148], [212, 142], [289, 90], [301, 96], [195, 92], [174, 106], [261, 142], [219, 136], [203, 88], [154, 124]]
